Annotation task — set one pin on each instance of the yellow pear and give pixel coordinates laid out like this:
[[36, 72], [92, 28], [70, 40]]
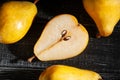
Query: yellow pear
[[64, 72], [63, 37], [105, 13], [15, 20]]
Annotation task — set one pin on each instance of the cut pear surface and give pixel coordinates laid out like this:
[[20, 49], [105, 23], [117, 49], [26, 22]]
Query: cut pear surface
[[63, 37]]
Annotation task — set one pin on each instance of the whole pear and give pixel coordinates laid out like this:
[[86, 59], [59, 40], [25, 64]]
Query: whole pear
[[105, 13], [15, 20], [60, 72]]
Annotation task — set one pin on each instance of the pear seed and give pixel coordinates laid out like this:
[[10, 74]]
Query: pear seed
[[64, 32], [67, 38]]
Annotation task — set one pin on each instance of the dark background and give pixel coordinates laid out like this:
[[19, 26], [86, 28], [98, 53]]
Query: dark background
[[101, 55]]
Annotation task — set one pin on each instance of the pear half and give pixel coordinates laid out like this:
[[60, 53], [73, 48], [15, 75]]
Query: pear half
[[63, 37], [105, 13], [60, 72]]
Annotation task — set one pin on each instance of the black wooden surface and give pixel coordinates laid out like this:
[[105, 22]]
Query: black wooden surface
[[101, 55]]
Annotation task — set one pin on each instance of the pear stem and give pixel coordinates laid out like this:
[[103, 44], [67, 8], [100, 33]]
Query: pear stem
[[31, 58], [35, 2], [98, 35]]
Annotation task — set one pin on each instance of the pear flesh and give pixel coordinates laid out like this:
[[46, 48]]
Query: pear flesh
[[15, 20], [60, 72], [63, 37], [105, 13]]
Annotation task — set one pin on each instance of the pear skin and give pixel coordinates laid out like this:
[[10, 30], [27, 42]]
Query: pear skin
[[63, 37], [15, 20], [60, 72], [105, 13]]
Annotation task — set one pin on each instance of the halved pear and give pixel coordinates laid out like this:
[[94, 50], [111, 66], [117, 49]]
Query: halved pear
[[63, 37]]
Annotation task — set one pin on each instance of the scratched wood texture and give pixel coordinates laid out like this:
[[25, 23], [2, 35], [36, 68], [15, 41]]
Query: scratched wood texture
[[101, 55]]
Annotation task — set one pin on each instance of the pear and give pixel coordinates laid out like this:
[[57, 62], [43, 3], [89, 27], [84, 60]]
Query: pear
[[63, 37], [60, 72], [105, 13], [16, 18]]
